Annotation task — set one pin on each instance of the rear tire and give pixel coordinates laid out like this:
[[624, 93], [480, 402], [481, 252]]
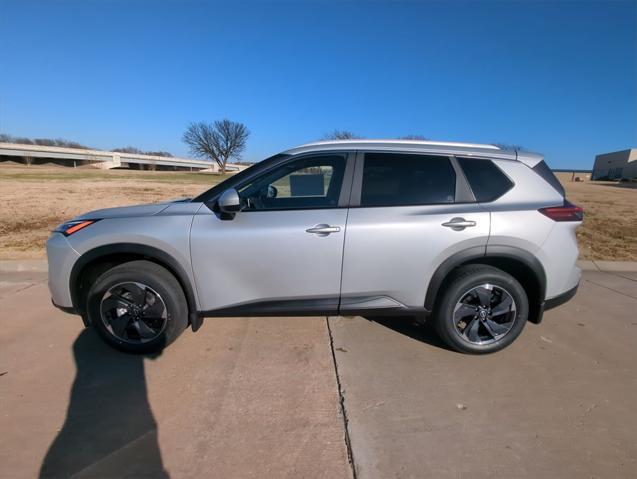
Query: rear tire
[[137, 307], [482, 310]]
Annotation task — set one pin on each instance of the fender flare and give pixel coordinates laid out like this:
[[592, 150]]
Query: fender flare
[[490, 253], [146, 252]]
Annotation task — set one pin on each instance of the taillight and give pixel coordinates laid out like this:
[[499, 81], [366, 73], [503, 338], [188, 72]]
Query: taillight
[[567, 212]]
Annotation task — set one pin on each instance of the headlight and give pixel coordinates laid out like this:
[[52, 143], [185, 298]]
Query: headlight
[[70, 227]]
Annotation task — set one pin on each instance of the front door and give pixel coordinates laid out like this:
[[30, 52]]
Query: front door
[[282, 254]]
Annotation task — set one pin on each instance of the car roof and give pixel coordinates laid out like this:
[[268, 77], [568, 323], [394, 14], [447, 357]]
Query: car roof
[[447, 148]]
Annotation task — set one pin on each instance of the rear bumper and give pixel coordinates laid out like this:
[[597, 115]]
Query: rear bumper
[[560, 299], [556, 301]]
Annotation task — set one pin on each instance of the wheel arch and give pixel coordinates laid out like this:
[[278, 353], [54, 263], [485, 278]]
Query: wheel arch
[[520, 264], [98, 260]]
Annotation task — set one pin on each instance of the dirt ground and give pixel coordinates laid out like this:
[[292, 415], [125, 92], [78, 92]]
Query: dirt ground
[[35, 199]]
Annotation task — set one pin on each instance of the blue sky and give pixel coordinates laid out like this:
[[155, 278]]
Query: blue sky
[[554, 77]]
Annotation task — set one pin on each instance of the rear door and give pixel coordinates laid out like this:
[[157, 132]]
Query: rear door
[[409, 212]]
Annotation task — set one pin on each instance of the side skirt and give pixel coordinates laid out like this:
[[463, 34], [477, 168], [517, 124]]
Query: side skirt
[[369, 306]]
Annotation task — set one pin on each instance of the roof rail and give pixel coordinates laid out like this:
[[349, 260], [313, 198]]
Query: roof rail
[[403, 142]]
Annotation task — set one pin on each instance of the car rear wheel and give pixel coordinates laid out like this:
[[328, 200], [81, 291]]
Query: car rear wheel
[[482, 310], [137, 307]]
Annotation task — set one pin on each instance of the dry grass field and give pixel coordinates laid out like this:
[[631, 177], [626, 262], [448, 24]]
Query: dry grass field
[[36, 199], [609, 231]]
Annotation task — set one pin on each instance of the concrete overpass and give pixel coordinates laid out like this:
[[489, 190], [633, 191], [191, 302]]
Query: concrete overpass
[[104, 159]]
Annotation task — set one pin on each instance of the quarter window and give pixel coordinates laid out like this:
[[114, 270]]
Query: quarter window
[[486, 180], [391, 179]]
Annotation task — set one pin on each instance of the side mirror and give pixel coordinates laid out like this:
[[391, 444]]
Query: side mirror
[[229, 201]]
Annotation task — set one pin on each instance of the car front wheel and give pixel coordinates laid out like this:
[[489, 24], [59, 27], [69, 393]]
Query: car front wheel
[[137, 307]]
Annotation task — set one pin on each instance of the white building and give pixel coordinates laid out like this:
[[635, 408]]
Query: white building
[[616, 165]]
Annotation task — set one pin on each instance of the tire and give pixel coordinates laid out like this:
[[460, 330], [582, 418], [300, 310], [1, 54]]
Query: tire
[[137, 307], [478, 293]]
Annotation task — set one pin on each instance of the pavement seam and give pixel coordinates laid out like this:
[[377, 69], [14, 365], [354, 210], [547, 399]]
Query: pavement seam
[[341, 401], [30, 285], [612, 289], [619, 275]]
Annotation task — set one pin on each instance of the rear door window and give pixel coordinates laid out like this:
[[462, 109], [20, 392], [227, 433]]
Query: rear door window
[[393, 179]]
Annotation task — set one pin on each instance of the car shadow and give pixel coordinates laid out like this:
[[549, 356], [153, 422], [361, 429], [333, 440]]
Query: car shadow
[[109, 429], [408, 326]]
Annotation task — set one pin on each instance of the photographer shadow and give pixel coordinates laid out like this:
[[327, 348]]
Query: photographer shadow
[[109, 429]]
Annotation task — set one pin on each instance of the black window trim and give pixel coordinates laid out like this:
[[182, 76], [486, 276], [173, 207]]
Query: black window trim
[[344, 194], [546, 173], [461, 186]]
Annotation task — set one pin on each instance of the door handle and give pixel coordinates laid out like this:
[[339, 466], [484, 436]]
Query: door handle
[[458, 224], [323, 229]]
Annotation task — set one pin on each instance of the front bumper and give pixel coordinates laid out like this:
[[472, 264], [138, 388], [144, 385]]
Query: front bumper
[[61, 258], [66, 309]]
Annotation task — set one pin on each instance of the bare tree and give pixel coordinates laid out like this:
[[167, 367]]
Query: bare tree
[[219, 141], [341, 135], [414, 137]]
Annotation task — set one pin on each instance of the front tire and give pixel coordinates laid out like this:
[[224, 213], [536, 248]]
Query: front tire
[[482, 310], [137, 307]]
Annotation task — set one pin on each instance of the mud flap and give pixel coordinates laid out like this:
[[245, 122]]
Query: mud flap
[[196, 320]]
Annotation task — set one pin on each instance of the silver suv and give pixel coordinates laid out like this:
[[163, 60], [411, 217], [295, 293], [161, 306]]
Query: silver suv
[[476, 238]]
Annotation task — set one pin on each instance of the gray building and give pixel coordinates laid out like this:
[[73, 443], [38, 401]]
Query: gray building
[[616, 165]]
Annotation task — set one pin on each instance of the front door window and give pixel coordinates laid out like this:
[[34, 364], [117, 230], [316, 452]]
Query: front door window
[[313, 182]]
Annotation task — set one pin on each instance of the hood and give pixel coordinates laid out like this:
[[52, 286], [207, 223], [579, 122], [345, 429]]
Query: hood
[[126, 211]]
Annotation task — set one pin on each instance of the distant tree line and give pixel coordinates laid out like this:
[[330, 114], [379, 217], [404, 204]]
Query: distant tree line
[[508, 146], [41, 141], [348, 135], [137, 151]]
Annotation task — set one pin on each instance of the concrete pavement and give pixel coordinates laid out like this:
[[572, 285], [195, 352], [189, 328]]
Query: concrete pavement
[[241, 398], [559, 402], [259, 397]]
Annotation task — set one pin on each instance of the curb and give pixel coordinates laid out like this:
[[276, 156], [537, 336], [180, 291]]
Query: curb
[[616, 266], [40, 266], [23, 265]]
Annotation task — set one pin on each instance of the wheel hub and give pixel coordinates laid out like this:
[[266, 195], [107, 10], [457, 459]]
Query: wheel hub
[[133, 312], [484, 314]]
